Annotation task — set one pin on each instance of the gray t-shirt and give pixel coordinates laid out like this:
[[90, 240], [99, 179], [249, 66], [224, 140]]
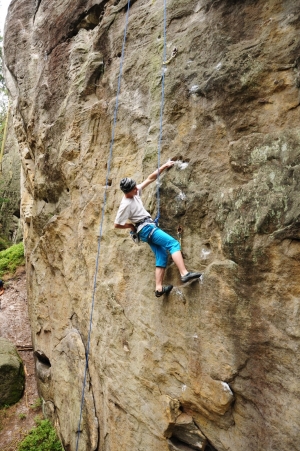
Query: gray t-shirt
[[132, 210]]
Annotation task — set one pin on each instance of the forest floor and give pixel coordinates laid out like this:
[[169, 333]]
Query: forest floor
[[17, 420]]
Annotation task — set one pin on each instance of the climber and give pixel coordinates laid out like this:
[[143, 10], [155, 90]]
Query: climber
[[1, 287], [132, 209]]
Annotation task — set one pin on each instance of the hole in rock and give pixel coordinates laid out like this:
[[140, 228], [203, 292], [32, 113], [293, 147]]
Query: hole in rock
[[209, 447], [176, 158], [186, 436], [91, 18], [87, 20], [17, 213], [178, 445], [42, 358], [180, 158], [75, 321]]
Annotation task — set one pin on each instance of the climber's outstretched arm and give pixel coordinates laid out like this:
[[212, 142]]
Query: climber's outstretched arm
[[152, 177]]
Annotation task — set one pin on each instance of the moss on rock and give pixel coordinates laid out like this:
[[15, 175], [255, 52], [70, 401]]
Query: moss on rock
[[11, 374]]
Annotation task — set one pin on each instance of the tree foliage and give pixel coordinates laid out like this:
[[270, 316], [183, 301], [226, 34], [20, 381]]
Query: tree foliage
[[11, 258], [42, 438]]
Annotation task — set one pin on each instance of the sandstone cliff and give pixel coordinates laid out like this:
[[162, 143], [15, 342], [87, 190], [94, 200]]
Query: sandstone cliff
[[10, 223], [215, 365]]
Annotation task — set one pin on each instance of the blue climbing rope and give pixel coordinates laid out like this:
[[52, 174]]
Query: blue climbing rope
[[161, 111], [101, 225]]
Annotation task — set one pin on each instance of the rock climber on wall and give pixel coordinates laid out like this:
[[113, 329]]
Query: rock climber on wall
[[132, 209]]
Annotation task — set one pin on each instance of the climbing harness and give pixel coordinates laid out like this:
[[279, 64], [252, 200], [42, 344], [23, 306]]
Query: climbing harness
[[101, 225], [147, 220], [135, 236]]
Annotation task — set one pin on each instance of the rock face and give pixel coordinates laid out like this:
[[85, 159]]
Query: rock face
[[11, 374], [214, 365], [10, 222]]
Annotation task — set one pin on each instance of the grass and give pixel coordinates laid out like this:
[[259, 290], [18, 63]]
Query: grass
[[41, 438], [37, 404], [6, 413], [11, 258], [3, 415]]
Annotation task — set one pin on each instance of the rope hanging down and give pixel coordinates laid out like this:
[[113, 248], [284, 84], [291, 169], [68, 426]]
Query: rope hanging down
[[161, 110], [101, 225]]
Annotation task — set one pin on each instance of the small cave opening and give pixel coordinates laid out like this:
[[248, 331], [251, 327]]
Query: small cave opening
[[177, 445], [42, 358], [17, 213], [210, 447], [91, 18], [187, 436]]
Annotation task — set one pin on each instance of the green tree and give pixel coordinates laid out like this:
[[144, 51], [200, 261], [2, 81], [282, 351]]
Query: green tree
[[42, 438], [11, 258]]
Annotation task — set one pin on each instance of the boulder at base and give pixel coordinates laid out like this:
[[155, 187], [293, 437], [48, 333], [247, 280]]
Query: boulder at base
[[11, 374]]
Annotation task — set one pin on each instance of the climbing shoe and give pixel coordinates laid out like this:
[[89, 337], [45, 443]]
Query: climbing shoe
[[190, 275], [165, 290]]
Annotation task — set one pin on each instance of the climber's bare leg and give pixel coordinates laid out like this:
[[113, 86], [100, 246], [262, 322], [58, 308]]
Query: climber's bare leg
[[159, 277], [178, 260]]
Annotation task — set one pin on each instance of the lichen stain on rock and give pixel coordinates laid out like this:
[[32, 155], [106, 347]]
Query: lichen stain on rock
[[224, 350]]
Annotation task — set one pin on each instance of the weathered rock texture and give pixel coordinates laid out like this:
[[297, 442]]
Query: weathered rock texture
[[11, 373], [216, 364], [10, 223]]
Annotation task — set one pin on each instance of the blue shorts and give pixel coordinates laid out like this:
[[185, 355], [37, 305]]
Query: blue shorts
[[160, 243]]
